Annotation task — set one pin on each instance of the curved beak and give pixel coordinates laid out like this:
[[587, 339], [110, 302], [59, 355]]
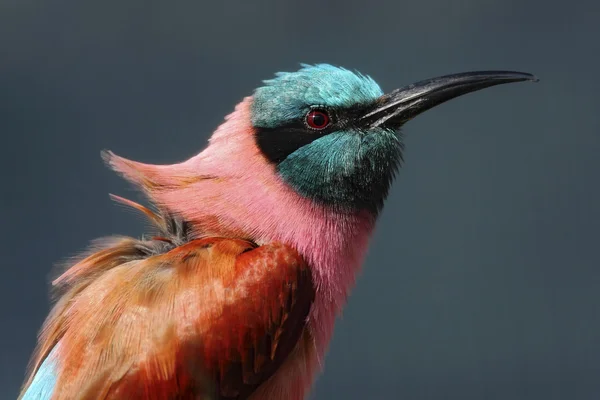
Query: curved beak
[[401, 105]]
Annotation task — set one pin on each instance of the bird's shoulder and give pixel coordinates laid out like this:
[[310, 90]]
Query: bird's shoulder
[[176, 314]]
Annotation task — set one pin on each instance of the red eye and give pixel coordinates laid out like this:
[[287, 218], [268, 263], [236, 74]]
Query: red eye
[[317, 119]]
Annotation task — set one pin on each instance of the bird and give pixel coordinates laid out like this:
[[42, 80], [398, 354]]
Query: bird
[[254, 247]]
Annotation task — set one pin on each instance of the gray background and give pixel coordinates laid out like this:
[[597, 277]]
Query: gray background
[[483, 278]]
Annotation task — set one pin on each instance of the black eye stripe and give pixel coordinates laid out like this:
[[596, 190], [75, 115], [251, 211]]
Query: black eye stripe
[[277, 143]]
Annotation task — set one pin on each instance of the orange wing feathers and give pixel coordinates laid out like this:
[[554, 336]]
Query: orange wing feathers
[[211, 318]]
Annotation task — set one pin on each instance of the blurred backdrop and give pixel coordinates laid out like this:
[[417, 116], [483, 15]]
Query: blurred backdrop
[[483, 278]]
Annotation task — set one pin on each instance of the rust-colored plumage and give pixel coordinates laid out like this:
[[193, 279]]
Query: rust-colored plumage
[[209, 318]]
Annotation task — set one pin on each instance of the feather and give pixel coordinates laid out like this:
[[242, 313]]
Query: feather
[[206, 317], [43, 383]]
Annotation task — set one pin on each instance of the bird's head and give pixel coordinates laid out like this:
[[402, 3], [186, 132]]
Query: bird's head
[[334, 136]]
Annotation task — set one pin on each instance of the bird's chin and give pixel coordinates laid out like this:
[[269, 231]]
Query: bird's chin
[[348, 171]]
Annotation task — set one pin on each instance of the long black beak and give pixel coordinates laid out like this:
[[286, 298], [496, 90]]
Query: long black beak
[[396, 108]]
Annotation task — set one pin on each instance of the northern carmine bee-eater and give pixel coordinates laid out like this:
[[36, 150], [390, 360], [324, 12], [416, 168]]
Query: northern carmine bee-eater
[[258, 240]]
